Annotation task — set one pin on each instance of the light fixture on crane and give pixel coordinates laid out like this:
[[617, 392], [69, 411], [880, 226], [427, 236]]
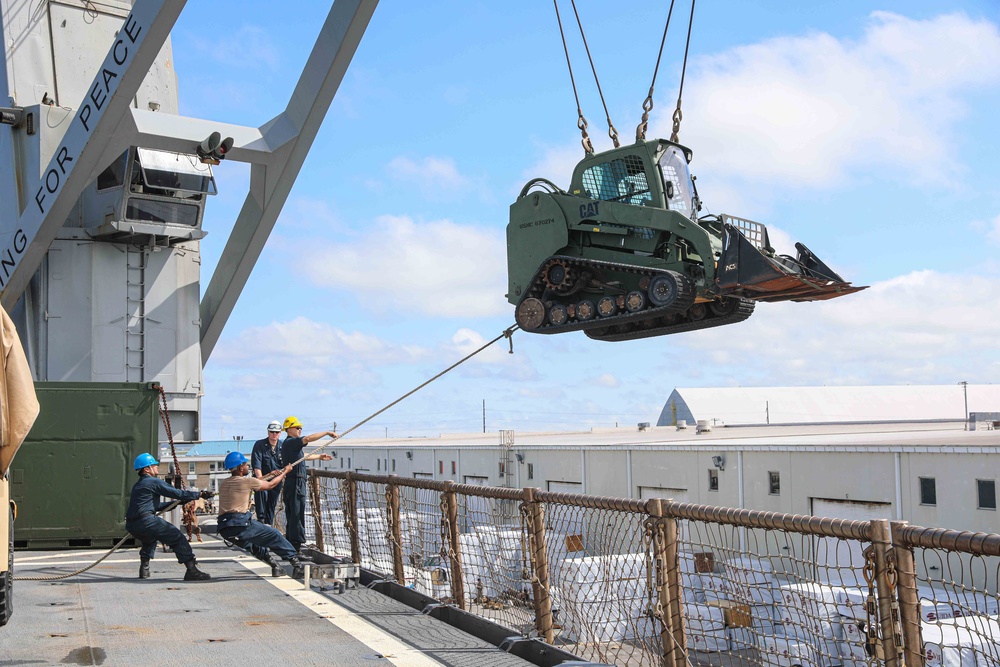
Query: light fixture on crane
[[213, 149]]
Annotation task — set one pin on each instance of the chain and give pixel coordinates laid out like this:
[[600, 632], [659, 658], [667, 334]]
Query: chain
[[445, 527], [187, 518], [897, 626], [871, 608], [345, 496], [390, 534], [527, 538], [654, 572]]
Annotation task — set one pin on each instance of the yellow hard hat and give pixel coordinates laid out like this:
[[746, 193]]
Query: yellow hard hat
[[291, 422]]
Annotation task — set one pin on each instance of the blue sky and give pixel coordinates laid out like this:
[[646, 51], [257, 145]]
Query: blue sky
[[865, 130]]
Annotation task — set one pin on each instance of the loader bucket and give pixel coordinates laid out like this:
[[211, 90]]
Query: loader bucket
[[756, 273]]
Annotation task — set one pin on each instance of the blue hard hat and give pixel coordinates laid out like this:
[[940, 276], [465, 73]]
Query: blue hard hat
[[233, 460], [144, 460]]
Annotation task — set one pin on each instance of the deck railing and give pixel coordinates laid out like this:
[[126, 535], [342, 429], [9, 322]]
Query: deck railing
[[655, 582]]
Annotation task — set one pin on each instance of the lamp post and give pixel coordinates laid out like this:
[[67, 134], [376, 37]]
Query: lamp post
[[965, 393], [238, 439]]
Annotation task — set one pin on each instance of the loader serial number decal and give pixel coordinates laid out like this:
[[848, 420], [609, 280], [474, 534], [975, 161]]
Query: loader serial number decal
[[588, 210], [537, 223]]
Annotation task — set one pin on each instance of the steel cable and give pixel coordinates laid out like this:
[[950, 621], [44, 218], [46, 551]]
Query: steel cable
[[680, 91], [612, 132], [507, 333], [581, 122], [647, 104]]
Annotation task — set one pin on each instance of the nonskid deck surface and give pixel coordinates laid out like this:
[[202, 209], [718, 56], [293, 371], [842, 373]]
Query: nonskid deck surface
[[106, 616]]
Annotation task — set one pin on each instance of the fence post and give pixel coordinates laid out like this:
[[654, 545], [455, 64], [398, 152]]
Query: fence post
[[880, 541], [454, 553], [392, 495], [675, 584], [351, 516], [668, 585], [539, 566], [906, 589], [317, 510]]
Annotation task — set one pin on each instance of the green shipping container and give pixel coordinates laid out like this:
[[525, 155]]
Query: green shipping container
[[72, 476]]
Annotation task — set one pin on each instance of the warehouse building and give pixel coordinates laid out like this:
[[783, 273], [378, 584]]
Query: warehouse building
[[828, 405]]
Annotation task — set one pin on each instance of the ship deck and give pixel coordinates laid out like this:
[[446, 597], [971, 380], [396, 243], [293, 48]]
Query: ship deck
[[107, 616]]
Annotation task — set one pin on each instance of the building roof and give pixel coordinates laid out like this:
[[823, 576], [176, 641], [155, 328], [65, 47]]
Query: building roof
[[215, 448], [828, 405]]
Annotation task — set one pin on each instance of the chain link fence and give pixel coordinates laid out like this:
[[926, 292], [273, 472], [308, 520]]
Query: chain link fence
[[654, 582]]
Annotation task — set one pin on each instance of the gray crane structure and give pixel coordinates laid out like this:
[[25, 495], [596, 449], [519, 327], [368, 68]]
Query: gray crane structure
[[103, 187]]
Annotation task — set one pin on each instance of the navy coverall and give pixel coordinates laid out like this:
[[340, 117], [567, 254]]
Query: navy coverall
[[265, 459], [145, 526], [294, 493]]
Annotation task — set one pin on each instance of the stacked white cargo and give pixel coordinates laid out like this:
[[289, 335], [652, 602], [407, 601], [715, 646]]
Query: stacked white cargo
[[693, 588], [969, 641], [705, 627], [477, 571], [753, 590], [809, 614], [950, 608], [372, 528], [782, 651], [339, 542], [950, 646], [605, 598], [506, 562]]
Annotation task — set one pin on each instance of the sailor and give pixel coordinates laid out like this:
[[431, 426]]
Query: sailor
[[266, 458], [141, 519], [234, 514], [294, 493]]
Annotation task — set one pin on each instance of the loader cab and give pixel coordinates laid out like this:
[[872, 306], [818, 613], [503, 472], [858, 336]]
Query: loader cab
[[651, 173], [678, 185], [627, 175]]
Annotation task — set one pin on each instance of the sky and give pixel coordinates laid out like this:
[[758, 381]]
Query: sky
[[866, 130]]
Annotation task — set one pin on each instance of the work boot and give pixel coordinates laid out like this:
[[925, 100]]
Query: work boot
[[143, 568], [193, 573], [298, 569], [276, 569]]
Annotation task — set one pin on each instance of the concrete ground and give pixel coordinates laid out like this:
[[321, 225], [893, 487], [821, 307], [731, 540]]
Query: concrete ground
[[106, 616]]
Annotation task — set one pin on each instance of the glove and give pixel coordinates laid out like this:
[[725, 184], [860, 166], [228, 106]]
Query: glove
[[206, 494]]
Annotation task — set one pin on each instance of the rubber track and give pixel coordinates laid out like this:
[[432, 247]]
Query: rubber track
[[684, 299], [744, 311]]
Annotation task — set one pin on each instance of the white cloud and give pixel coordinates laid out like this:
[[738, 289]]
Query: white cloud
[[608, 380], [807, 110], [556, 164], [431, 174], [993, 230], [310, 349], [916, 328], [437, 268], [495, 361]]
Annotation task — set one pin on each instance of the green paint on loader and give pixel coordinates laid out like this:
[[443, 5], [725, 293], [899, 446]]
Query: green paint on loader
[[624, 253]]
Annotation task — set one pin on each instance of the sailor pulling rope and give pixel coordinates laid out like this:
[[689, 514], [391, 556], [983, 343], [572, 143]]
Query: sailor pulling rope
[[507, 333]]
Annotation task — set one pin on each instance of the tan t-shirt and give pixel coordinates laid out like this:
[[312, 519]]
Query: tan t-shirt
[[236, 494]]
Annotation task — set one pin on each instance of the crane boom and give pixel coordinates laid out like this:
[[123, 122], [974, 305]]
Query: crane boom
[[24, 243]]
